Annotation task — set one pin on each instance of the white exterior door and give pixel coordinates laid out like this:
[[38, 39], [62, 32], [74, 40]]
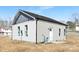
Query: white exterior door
[[51, 35]]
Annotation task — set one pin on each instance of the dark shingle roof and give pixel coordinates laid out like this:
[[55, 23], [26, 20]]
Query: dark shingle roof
[[43, 18]]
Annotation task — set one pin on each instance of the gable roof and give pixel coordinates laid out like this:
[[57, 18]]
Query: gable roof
[[40, 17]]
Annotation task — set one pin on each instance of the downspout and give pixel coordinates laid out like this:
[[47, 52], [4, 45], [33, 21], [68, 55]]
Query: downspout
[[36, 32]]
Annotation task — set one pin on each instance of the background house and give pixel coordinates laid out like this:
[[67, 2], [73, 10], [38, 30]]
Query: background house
[[77, 25], [32, 27], [5, 28], [5, 32]]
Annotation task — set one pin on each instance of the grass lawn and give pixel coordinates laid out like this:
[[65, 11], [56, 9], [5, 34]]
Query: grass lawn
[[71, 44]]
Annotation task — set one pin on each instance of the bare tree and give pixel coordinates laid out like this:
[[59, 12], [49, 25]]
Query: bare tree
[[75, 18], [74, 21], [4, 24]]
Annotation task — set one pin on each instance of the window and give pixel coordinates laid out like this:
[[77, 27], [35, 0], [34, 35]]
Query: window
[[59, 32], [26, 32], [18, 30], [50, 29], [21, 33], [64, 32]]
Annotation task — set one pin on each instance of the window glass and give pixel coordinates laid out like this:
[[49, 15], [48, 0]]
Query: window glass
[[21, 33], [64, 31], [18, 30], [59, 32], [26, 30]]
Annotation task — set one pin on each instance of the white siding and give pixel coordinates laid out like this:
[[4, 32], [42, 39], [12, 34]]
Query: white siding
[[42, 30], [31, 31]]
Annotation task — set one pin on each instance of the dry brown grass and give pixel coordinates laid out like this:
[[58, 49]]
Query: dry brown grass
[[71, 44]]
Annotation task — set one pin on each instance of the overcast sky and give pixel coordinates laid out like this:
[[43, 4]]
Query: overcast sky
[[56, 12]]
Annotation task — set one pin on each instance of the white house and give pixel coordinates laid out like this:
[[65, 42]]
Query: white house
[[5, 32], [31, 27], [77, 27]]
